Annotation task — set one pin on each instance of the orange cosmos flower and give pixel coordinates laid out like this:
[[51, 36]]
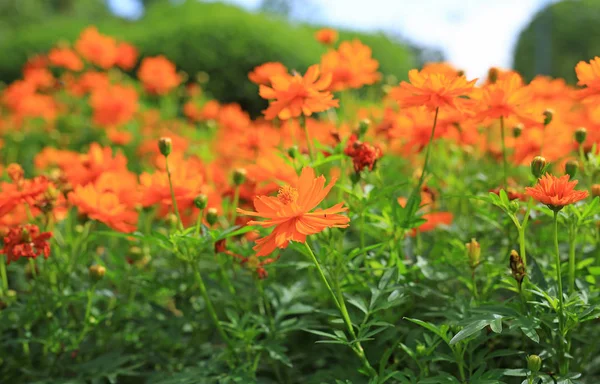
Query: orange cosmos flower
[[25, 241], [97, 48], [105, 207], [22, 191], [126, 56], [326, 36], [351, 66], [443, 68], [65, 58], [290, 212], [588, 74], [433, 90], [556, 192], [505, 98], [297, 95], [263, 73], [89, 166], [362, 154], [158, 75], [114, 105]]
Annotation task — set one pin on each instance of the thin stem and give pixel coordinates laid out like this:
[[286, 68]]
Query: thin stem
[[504, 161], [86, 317], [356, 347], [428, 151], [4, 276], [302, 121], [560, 295], [210, 308], [572, 239], [474, 283], [173, 200], [236, 201], [199, 221]]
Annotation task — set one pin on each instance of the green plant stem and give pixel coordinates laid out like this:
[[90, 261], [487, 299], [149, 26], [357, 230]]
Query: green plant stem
[[86, 316], [428, 151], [210, 308], [236, 201], [341, 305], [560, 295], [3, 274], [572, 237], [504, 161], [199, 222], [302, 121], [173, 200]]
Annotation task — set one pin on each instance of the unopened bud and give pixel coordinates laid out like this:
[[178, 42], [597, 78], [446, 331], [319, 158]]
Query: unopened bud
[[516, 266], [473, 253], [421, 349], [537, 166], [200, 201], [596, 190], [165, 146], [239, 176], [212, 216], [571, 168], [548, 115], [517, 130], [493, 75], [580, 135], [534, 363], [97, 272], [363, 126], [293, 152]]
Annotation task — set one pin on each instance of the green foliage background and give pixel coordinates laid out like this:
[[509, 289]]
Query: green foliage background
[[222, 40], [558, 37]]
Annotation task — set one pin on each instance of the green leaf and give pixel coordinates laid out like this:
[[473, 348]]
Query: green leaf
[[438, 331], [496, 326], [359, 303], [476, 326]]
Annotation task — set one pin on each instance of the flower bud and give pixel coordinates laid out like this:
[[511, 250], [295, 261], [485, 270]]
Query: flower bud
[[548, 115], [200, 201], [473, 253], [293, 152], [517, 130], [571, 168], [165, 146], [421, 349], [595, 190], [534, 363], [493, 75], [239, 176], [97, 272], [517, 267], [212, 216], [580, 135], [537, 166], [363, 126]]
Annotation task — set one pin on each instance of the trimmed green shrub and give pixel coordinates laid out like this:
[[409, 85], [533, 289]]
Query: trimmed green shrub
[[222, 40], [557, 38]]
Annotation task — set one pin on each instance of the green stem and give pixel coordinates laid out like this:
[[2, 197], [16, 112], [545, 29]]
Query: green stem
[[504, 161], [428, 151], [199, 222], [4, 276], [356, 347], [86, 317], [210, 308], [302, 121], [572, 238], [173, 200], [560, 295], [236, 201]]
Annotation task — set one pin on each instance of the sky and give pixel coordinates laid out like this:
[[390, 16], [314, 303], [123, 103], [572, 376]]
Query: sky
[[474, 35]]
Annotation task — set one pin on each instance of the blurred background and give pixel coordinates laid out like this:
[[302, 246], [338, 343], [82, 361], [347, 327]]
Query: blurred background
[[227, 39]]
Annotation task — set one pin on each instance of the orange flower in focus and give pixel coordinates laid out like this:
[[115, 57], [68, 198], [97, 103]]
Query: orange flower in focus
[[158, 75], [290, 213], [434, 90], [262, 74], [105, 207], [351, 66], [556, 192], [114, 105], [97, 48], [588, 74], [292, 96], [326, 36], [126, 56], [65, 58]]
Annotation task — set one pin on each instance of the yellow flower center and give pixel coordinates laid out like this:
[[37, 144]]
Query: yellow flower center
[[287, 194]]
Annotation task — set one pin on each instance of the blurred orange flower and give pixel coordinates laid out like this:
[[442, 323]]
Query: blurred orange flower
[[290, 212], [65, 58], [351, 66], [98, 49], [326, 36], [158, 75], [292, 96], [114, 105], [262, 74], [588, 75], [126, 56]]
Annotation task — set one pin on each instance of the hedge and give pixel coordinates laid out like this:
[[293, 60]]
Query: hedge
[[222, 40], [558, 37]]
